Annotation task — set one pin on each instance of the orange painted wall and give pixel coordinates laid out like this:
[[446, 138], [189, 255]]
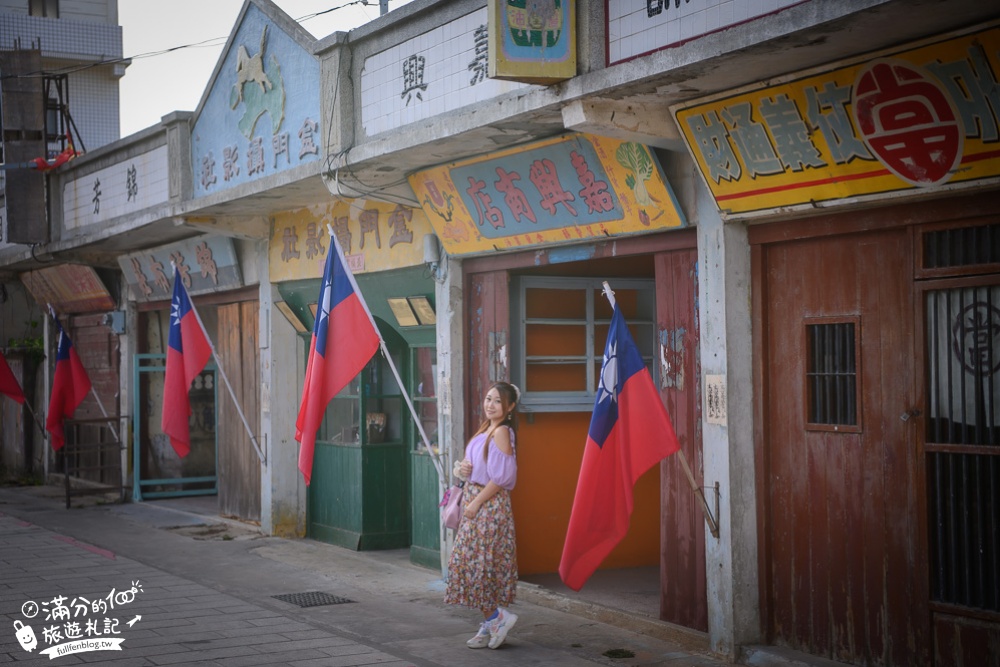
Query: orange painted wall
[[549, 453]]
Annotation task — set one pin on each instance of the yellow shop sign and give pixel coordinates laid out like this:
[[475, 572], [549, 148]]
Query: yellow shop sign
[[919, 118]]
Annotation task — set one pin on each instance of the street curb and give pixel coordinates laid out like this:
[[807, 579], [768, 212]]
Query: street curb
[[687, 639]]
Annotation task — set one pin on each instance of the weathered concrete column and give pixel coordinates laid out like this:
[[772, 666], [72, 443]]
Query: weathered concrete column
[[450, 374], [178, 126], [726, 352], [282, 368]]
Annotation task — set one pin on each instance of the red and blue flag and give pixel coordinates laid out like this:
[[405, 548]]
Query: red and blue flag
[[188, 350], [344, 339], [630, 431], [9, 386], [70, 385]]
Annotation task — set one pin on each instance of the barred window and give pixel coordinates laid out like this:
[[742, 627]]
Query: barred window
[[832, 374]]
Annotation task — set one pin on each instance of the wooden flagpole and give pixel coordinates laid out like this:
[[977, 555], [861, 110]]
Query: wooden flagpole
[[713, 524]]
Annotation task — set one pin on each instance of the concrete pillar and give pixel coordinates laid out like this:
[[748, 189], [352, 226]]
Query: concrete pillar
[[449, 299], [282, 368], [180, 173], [726, 350]]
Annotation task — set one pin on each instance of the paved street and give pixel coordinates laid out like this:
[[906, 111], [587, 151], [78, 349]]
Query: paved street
[[169, 587]]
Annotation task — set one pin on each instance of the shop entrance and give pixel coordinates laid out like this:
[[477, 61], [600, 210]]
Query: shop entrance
[[845, 570], [529, 318], [880, 444]]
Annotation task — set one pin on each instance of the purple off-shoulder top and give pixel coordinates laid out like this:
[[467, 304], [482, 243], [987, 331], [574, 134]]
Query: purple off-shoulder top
[[500, 468]]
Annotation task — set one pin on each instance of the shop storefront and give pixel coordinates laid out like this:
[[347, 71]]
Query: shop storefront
[[373, 484], [875, 334], [223, 458], [539, 228]]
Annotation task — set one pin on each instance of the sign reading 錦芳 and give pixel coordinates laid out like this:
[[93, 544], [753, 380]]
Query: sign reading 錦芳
[[910, 120]]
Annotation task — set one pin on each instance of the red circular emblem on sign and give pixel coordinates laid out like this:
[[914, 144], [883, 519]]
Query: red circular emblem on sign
[[908, 121]]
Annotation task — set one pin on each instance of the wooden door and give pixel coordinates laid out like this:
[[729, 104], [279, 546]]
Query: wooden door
[[844, 567], [683, 587], [239, 465]]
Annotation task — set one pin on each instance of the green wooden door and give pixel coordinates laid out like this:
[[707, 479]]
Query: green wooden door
[[359, 494]]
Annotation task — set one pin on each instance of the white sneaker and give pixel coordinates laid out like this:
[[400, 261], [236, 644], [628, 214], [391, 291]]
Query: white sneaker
[[482, 638], [500, 626]]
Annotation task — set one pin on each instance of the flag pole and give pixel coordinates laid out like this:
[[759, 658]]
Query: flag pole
[[222, 371], [713, 524], [104, 412], [435, 459], [114, 431], [38, 422]]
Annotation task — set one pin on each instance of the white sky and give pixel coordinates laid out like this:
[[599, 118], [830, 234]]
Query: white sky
[[154, 86]]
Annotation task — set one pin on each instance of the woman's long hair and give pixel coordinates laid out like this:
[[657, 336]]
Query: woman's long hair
[[508, 398]]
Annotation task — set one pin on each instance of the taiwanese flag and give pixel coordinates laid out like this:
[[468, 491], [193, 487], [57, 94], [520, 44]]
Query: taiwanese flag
[[8, 383], [344, 340], [188, 351], [70, 385], [630, 431]]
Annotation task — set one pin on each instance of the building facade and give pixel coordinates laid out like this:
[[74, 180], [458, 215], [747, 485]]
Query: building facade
[[793, 201], [77, 46]]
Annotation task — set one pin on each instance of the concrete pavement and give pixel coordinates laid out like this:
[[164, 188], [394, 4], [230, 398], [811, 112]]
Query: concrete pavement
[[203, 589]]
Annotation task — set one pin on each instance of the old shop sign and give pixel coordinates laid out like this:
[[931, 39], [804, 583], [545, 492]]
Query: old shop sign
[[532, 42], [918, 119], [260, 115], [69, 288], [375, 236], [206, 263], [555, 191]]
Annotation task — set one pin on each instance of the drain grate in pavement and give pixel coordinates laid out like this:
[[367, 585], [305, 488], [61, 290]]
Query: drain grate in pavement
[[311, 599]]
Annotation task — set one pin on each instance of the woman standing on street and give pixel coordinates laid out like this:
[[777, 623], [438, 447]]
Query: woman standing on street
[[482, 571]]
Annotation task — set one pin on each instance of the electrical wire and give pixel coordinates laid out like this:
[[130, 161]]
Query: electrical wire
[[211, 42]]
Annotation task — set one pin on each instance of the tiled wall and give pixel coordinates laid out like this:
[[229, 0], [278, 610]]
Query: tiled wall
[[126, 187], [393, 92], [637, 28], [93, 104], [64, 37]]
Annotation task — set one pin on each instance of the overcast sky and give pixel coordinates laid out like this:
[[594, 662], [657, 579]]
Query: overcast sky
[[154, 86]]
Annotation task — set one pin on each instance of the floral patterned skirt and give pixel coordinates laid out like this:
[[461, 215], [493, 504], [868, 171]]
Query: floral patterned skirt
[[482, 570]]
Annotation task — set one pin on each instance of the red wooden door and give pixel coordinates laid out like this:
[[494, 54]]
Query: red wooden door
[[845, 572], [682, 526]]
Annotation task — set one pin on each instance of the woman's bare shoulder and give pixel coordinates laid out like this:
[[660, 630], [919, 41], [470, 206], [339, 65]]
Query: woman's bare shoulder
[[502, 437]]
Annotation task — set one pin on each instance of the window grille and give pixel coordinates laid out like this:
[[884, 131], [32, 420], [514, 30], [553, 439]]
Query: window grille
[[832, 374], [962, 246], [963, 445]]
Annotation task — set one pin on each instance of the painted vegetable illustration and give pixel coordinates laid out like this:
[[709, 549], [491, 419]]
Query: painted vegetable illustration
[[633, 156]]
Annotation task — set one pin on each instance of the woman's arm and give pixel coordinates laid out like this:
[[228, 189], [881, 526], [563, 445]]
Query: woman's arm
[[501, 437], [490, 490]]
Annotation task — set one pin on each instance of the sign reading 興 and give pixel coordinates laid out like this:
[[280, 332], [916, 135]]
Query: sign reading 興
[[922, 117]]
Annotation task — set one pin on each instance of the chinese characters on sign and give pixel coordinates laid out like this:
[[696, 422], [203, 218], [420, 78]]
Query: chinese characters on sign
[[922, 118], [205, 264], [559, 190], [374, 235], [255, 161], [715, 399], [636, 28], [433, 73], [76, 625]]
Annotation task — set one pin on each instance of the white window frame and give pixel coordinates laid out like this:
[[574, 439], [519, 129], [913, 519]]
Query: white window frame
[[643, 329]]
